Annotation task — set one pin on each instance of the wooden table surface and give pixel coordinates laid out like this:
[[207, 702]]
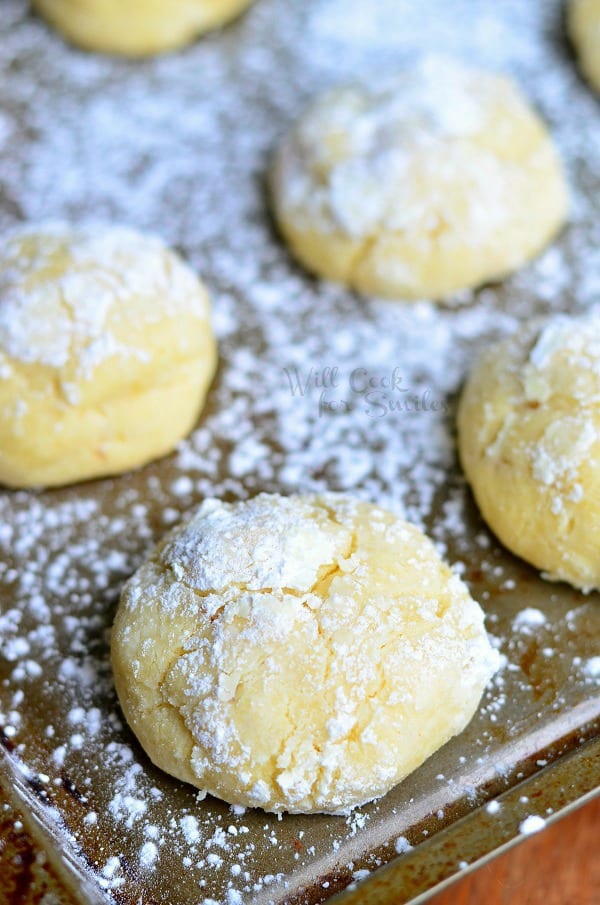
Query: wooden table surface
[[559, 866]]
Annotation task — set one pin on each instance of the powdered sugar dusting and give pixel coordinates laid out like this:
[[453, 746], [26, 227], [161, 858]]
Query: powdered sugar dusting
[[354, 160], [61, 291], [564, 360], [179, 146], [532, 824], [529, 619], [254, 608]]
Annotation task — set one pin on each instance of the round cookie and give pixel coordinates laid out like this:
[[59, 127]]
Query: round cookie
[[298, 654], [584, 28], [136, 28], [529, 439], [106, 353], [422, 184]]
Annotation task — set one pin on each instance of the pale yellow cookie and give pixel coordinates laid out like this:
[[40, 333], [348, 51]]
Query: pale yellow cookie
[[422, 184], [584, 28], [529, 438], [136, 28], [106, 353], [297, 654]]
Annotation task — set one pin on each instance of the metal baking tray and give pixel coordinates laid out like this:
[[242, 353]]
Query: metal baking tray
[[180, 145]]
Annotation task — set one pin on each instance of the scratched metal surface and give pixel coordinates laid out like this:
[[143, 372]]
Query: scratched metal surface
[[544, 704]]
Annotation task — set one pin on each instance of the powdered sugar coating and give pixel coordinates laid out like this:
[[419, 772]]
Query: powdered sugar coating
[[238, 662], [257, 546], [101, 328], [530, 442], [419, 184], [356, 141], [65, 290]]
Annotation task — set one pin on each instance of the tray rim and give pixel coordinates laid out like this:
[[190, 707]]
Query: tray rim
[[63, 859], [565, 789]]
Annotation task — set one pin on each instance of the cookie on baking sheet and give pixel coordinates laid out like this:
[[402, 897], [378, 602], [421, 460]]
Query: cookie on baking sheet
[[529, 439], [584, 28], [298, 653], [136, 28], [106, 353], [420, 184]]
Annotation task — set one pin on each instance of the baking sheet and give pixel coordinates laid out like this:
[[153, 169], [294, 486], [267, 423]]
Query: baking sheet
[[179, 146]]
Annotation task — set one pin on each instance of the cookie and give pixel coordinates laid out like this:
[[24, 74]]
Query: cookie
[[298, 654], [419, 185], [106, 353], [584, 28], [136, 28], [529, 440]]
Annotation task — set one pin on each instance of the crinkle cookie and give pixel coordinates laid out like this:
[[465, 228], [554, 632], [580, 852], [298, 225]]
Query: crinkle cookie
[[529, 438], [298, 653], [136, 28], [424, 183], [106, 353]]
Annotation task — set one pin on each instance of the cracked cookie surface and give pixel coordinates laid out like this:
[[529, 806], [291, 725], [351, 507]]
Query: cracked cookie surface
[[297, 654], [100, 329], [529, 440], [420, 185]]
